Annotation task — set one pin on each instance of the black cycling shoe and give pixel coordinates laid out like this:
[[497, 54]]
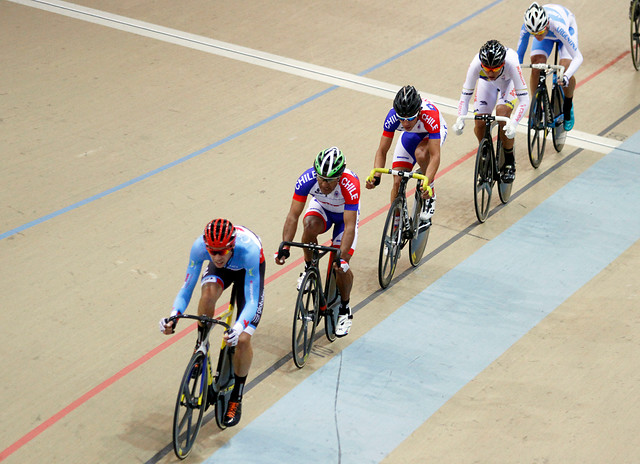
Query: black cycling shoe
[[508, 174], [234, 411]]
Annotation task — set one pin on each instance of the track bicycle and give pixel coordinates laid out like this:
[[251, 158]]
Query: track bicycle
[[634, 32], [546, 114], [487, 167], [313, 302], [401, 226], [200, 386]]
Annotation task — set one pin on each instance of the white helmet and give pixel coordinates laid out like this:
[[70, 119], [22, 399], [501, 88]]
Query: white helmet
[[535, 18]]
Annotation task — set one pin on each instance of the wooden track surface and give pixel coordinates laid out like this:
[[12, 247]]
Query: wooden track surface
[[92, 119]]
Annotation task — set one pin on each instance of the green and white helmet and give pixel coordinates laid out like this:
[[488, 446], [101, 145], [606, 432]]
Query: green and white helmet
[[330, 163]]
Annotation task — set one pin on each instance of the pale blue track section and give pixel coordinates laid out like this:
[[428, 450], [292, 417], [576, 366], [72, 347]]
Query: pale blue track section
[[367, 400]]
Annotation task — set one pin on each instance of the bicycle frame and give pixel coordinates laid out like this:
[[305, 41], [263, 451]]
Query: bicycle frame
[[487, 167], [194, 397], [552, 112], [400, 227], [314, 300]]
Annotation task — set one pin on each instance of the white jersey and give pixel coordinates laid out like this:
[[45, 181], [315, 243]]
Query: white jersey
[[507, 87]]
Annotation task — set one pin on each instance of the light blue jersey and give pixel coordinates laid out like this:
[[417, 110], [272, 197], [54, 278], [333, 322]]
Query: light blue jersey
[[563, 30]]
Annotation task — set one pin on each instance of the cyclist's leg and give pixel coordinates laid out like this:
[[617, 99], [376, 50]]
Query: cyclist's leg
[[565, 60], [540, 52], [344, 280], [213, 283], [243, 355], [504, 108], [403, 158], [314, 222]]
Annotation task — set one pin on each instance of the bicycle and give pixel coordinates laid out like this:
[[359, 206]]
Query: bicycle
[[487, 167], [634, 32], [542, 117], [200, 387], [313, 303], [401, 227]]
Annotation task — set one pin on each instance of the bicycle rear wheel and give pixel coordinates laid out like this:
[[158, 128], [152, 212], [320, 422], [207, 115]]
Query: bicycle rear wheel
[[558, 133], [483, 179], [223, 383], [634, 16], [537, 130], [305, 317], [390, 243], [504, 188], [421, 234], [190, 406], [332, 298]]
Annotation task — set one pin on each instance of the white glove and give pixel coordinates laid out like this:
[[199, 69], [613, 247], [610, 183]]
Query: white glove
[[565, 80], [458, 127], [163, 324], [510, 129], [234, 334], [344, 265]]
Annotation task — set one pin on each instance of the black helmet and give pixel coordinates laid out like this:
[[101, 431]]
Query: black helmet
[[407, 102], [492, 54]]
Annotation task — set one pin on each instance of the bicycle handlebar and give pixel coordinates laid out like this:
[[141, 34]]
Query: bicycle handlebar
[[311, 246], [199, 318], [407, 174], [555, 68], [486, 117], [394, 172]]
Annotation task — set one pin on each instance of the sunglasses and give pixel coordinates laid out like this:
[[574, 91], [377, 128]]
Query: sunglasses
[[407, 119], [328, 179], [540, 33], [496, 69], [223, 252]]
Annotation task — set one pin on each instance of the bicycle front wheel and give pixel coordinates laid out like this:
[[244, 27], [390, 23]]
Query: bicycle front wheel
[[390, 243], [504, 188], [634, 16], [190, 406], [537, 130], [558, 133], [305, 317], [483, 179], [421, 233], [332, 298]]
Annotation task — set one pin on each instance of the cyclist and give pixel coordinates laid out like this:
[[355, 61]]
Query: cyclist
[[235, 257], [552, 24], [424, 130], [500, 80], [335, 192]]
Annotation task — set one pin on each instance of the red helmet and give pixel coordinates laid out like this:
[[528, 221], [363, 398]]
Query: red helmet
[[220, 233]]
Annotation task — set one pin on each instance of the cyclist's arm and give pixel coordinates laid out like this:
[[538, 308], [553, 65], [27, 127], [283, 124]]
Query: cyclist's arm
[[569, 44], [519, 85], [383, 148], [291, 222], [523, 43], [433, 146], [350, 219], [468, 86], [193, 271], [253, 290]]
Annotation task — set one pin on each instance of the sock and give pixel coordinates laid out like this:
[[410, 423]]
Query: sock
[[568, 104], [509, 159], [238, 389], [343, 307]]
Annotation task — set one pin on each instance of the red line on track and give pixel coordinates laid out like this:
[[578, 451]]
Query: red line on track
[[179, 335]]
